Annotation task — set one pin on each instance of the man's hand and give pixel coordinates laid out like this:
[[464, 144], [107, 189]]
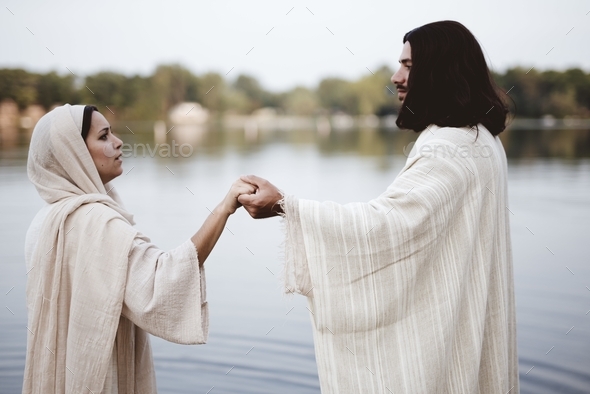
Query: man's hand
[[264, 203]]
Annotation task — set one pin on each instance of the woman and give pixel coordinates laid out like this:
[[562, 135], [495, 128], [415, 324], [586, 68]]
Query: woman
[[96, 286]]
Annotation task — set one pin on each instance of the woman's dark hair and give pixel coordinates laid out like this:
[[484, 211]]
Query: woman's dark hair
[[86, 118], [449, 82]]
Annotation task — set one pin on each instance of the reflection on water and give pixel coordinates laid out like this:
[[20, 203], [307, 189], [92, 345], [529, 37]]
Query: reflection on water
[[261, 341], [519, 143]]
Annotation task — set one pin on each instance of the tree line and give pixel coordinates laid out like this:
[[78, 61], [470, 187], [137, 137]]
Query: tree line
[[531, 93]]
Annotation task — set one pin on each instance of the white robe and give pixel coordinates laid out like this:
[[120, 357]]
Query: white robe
[[95, 286], [413, 291], [153, 276]]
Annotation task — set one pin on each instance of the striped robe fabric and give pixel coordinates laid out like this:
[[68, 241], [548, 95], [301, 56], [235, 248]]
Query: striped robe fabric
[[413, 292]]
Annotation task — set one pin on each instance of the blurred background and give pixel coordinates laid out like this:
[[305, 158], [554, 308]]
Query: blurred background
[[300, 94]]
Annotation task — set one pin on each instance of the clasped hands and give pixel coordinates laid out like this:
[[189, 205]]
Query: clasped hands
[[257, 195]]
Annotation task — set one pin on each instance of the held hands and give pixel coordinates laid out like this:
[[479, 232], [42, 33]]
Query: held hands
[[258, 196], [230, 203], [264, 202]]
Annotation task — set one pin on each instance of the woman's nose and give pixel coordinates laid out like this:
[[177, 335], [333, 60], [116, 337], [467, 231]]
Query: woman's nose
[[117, 143]]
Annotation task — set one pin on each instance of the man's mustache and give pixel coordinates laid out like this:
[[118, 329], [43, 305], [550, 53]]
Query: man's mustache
[[401, 88]]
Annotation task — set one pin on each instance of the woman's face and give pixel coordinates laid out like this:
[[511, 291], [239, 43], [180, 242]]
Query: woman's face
[[104, 148]]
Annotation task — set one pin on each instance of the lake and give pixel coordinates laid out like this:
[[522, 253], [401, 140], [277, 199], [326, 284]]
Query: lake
[[260, 340]]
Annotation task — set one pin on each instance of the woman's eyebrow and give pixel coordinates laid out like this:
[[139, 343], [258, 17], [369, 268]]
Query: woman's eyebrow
[[106, 128]]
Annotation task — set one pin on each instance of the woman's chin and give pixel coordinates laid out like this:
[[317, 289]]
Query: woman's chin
[[118, 172]]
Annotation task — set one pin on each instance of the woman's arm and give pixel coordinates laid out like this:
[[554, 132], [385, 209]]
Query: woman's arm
[[165, 291], [206, 237]]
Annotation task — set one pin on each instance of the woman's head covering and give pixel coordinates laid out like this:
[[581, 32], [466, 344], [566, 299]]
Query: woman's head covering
[[59, 163], [87, 119], [75, 290]]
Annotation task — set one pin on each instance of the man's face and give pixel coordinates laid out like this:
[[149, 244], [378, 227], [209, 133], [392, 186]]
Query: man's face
[[400, 78]]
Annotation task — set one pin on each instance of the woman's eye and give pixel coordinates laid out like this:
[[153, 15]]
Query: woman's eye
[[103, 137]]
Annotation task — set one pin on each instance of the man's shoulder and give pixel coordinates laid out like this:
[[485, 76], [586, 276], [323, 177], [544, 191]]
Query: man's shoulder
[[459, 144], [457, 134]]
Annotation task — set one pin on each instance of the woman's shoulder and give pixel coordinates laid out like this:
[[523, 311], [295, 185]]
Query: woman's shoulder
[[97, 213], [42, 213], [38, 220], [34, 229], [96, 220]]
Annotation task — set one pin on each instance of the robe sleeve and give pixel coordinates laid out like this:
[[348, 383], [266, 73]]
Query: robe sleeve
[[296, 272], [165, 293], [401, 222]]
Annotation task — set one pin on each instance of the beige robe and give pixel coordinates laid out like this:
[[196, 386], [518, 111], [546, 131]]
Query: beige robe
[[164, 295], [96, 286], [413, 291]]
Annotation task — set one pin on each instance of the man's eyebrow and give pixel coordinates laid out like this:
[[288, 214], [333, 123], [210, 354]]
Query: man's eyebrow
[[404, 61]]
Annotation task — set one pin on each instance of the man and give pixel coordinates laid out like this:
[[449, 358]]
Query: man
[[412, 292]]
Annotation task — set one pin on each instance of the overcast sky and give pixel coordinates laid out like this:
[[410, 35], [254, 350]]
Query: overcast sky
[[282, 43]]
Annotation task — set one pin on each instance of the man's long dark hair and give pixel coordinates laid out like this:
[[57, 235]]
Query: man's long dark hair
[[449, 82]]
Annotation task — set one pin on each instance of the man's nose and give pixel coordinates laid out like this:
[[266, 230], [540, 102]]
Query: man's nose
[[395, 79]]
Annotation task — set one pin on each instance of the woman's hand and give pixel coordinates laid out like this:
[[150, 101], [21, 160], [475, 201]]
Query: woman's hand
[[230, 202]]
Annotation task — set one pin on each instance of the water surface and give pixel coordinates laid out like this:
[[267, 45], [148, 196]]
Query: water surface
[[261, 341]]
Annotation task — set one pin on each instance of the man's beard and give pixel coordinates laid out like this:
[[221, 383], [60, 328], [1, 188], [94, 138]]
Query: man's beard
[[401, 90]]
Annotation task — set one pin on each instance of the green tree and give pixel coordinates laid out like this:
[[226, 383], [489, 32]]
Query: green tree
[[581, 84], [18, 85], [236, 101], [370, 91], [523, 88], [257, 96], [336, 94], [54, 89], [300, 101], [212, 96], [174, 84], [532, 92], [145, 103], [107, 89]]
